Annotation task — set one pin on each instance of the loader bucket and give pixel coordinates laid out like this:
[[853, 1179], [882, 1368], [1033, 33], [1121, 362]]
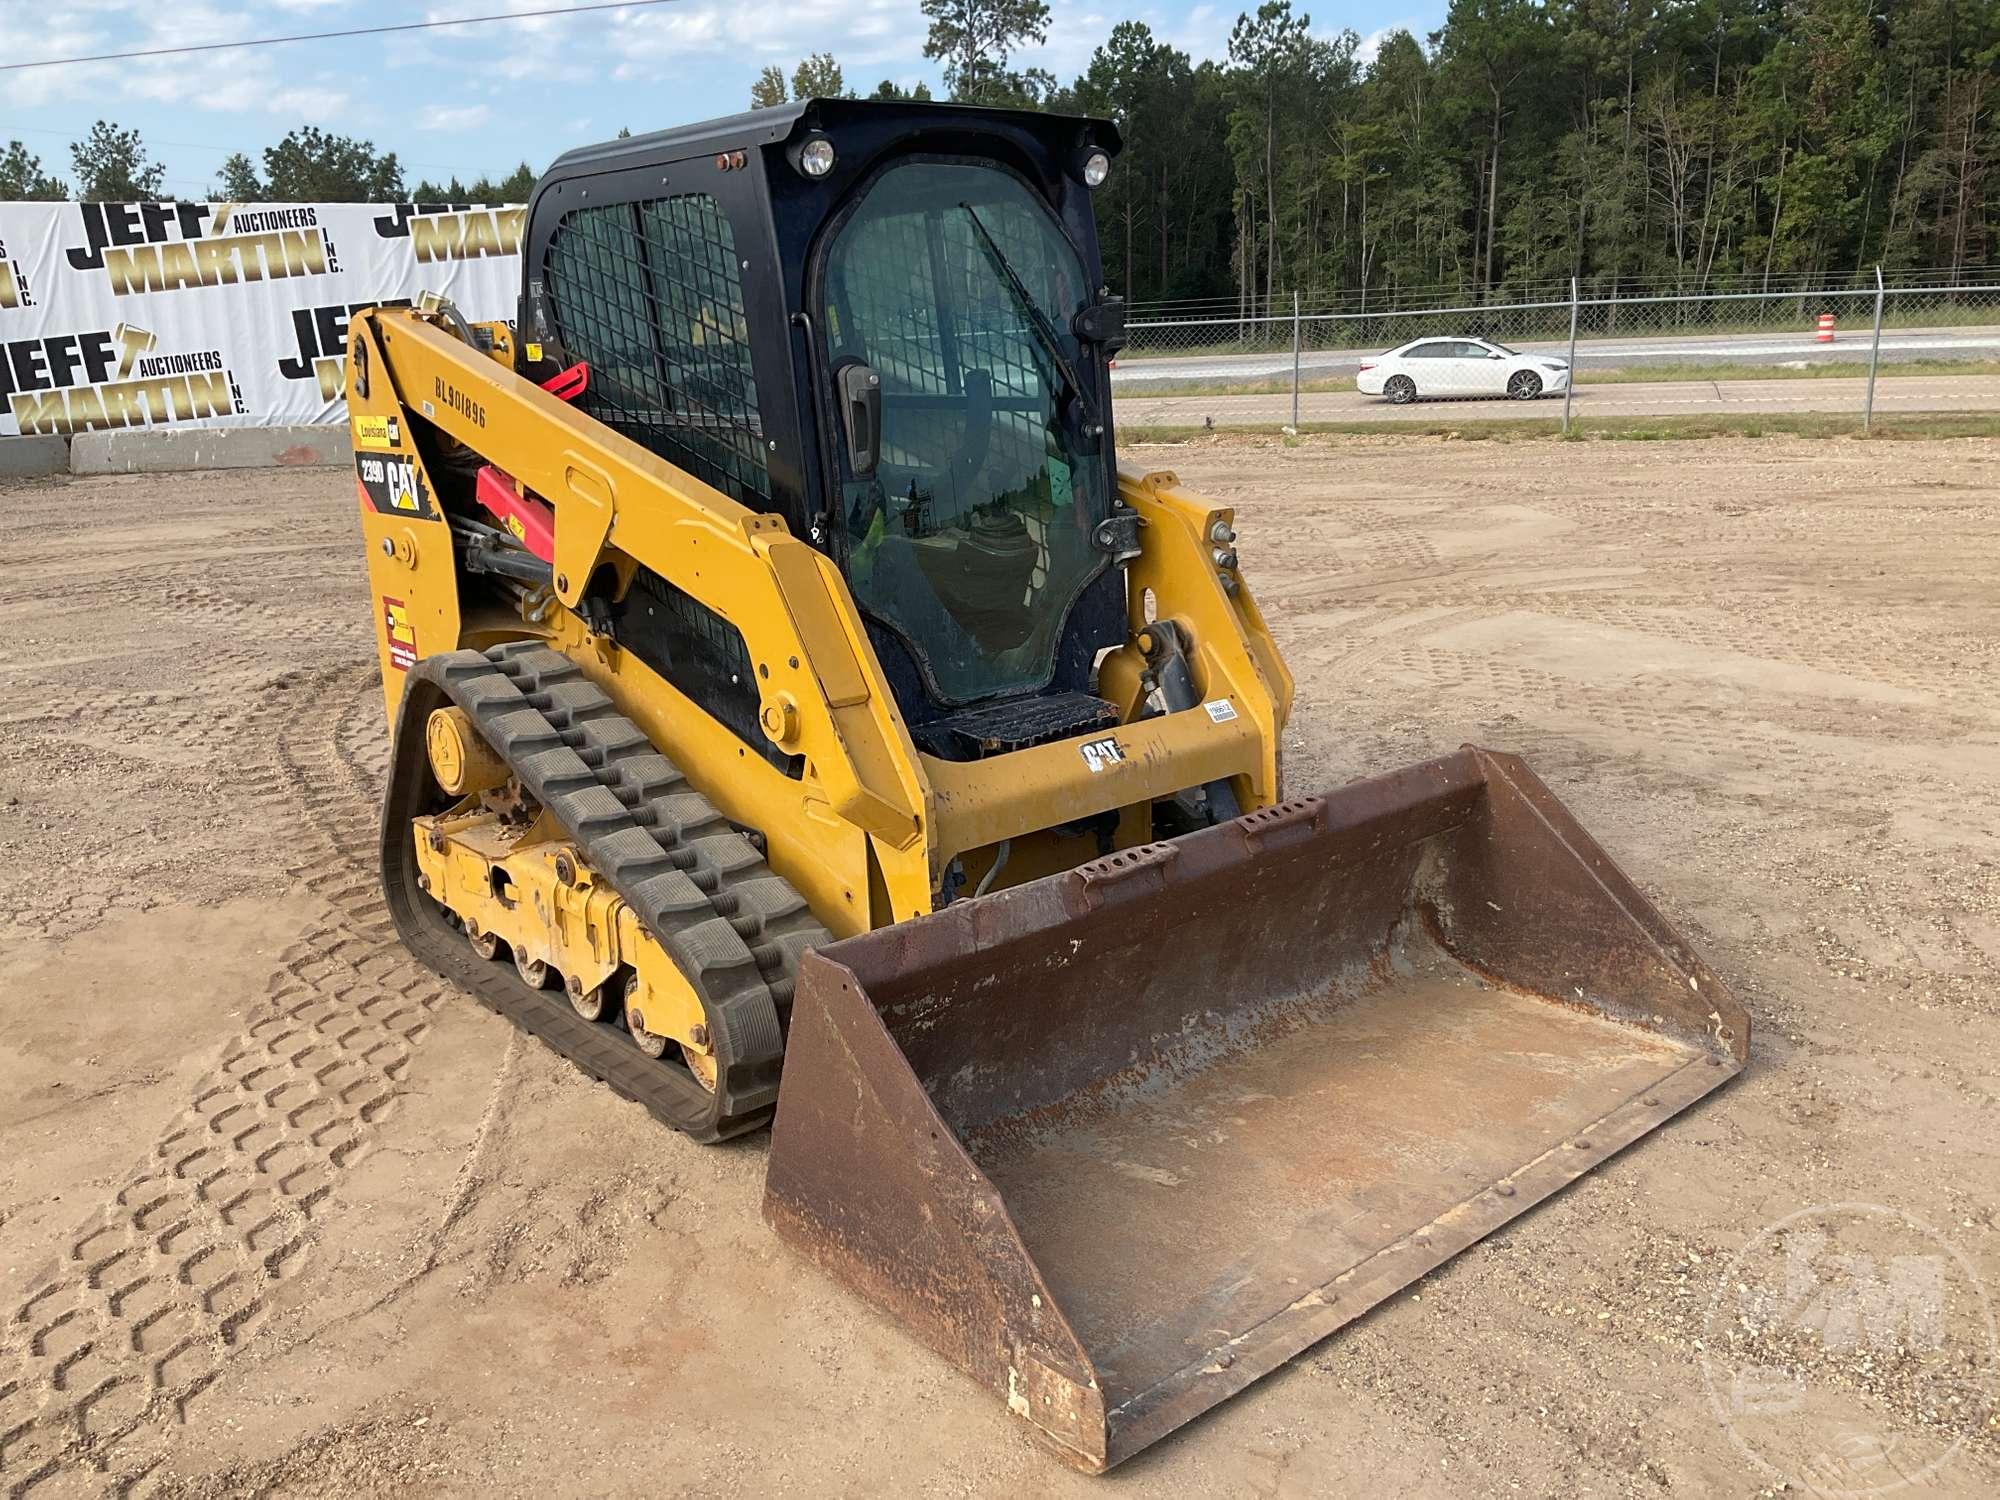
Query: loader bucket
[[1120, 1141]]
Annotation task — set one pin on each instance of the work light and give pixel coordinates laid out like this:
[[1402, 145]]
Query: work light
[[816, 157]]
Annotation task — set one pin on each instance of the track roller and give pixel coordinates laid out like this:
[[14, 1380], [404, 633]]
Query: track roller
[[593, 1004], [649, 1042]]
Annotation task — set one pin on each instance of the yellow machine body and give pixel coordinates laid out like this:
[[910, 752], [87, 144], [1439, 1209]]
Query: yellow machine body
[[1116, 1077], [865, 835]]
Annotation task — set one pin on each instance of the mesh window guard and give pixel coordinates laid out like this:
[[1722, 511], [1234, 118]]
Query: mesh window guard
[[650, 295]]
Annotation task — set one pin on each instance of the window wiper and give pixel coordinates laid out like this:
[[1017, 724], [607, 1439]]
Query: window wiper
[[1045, 333]]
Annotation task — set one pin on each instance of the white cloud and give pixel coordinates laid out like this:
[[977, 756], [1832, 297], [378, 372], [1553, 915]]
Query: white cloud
[[1077, 30], [1371, 44], [216, 82], [1074, 33], [862, 34], [313, 106], [525, 25], [23, 39], [1203, 33], [677, 43], [454, 117], [253, 86], [193, 23]]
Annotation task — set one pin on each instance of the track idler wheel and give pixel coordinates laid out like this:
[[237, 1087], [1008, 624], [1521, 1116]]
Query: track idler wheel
[[460, 759], [533, 971], [485, 944], [743, 982]]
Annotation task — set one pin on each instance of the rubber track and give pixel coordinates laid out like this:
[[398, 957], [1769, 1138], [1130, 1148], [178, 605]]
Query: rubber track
[[734, 928]]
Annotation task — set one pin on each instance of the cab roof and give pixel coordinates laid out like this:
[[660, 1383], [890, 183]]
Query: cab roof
[[779, 122]]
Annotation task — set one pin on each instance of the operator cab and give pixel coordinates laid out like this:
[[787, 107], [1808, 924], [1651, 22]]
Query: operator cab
[[886, 323]]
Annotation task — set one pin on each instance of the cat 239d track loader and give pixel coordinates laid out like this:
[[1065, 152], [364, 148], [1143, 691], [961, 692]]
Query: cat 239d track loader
[[785, 675]]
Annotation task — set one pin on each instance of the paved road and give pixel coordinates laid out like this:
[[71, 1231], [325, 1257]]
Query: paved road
[[1604, 354], [1665, 398]]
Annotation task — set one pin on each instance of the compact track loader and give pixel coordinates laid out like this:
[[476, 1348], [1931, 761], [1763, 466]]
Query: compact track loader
[[785, 675]]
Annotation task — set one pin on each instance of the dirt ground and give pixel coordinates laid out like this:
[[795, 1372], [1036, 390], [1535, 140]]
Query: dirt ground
[[281, 1215]]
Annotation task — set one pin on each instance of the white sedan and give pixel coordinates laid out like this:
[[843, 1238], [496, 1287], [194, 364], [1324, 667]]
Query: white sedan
[[1460, 367]]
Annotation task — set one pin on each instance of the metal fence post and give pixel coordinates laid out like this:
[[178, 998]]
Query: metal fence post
[[1874, 359], [1295, 361], [1569, 385]]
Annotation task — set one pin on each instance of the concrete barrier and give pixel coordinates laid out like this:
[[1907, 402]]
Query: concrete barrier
[[33, 457], [159, 450]]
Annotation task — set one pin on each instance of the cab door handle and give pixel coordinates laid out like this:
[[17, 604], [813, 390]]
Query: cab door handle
[[860, 391]]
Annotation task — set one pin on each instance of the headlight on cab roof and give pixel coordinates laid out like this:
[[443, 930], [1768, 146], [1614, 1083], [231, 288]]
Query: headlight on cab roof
[[816, 156]]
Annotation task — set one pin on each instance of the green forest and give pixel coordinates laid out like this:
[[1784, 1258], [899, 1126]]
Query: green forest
[[1656, 145], [1673, 145], [1637, 145]]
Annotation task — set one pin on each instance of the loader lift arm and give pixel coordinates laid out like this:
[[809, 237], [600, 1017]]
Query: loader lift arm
[[819, 682]]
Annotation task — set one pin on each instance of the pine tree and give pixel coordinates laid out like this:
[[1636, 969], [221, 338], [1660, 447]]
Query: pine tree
[[112, 167], [22, 179]]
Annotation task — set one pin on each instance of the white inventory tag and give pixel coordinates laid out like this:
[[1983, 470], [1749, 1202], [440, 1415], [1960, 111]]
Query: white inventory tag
[[1221, 710]]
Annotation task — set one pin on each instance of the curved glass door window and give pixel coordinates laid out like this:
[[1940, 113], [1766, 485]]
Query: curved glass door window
[[972, 538]]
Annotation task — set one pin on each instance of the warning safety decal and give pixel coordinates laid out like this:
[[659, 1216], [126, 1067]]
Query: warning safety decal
[[401, 632]]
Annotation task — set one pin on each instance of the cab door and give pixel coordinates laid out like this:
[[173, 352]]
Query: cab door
[[972, 480]]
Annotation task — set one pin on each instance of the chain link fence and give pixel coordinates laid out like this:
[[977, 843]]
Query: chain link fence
[[1892, 343]]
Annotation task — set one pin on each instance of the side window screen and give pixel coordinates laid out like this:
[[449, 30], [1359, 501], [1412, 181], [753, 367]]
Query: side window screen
[[650, 295]]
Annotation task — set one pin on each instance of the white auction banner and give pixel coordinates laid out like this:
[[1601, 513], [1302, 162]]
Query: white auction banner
[[221, 314]]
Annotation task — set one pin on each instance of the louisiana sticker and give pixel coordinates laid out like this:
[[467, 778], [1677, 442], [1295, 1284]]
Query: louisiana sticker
[[402, 634], [376, 432]]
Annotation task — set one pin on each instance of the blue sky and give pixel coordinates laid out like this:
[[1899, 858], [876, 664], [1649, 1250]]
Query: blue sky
[[481, 98]]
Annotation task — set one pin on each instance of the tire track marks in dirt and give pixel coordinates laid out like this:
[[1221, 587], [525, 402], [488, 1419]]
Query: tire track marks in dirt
[[192, 729], [166, 1283]]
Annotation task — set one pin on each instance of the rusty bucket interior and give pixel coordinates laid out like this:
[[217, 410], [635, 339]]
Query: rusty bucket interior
[[1120, 1141]]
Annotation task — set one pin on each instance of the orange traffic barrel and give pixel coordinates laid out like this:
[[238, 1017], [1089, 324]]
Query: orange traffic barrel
[[1825, 328]]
